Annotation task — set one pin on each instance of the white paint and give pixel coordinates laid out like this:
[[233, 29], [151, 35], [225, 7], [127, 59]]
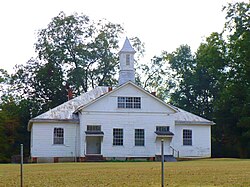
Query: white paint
[[42, 137], [103, 111], [127, 71], [128, 122], [201, 142]]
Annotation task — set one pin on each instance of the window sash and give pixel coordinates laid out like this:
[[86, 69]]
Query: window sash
[[129, 102], [93, 128], [139, 137], [118, 137], [162, 128], [58, 136], [187, 137]]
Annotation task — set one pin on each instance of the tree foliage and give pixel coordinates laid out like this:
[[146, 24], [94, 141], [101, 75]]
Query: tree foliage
[[233, 104], [215, 82], [85, 50]]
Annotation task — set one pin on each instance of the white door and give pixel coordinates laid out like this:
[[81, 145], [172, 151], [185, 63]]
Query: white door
[[166, 143]]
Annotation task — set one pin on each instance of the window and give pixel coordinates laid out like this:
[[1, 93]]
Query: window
[[127, 59], [58, 136], [117, 136], [93, 128], [187, 137], [162, 128], [129, 102], [139, 137]]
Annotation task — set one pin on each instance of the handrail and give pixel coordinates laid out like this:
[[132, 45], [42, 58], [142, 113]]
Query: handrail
[[174, 152]]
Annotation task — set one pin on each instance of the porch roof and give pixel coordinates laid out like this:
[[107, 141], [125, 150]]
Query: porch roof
[[164, 134], [94, 133]]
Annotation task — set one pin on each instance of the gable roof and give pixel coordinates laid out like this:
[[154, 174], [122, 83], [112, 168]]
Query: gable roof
[[120, 87], [65, 111]]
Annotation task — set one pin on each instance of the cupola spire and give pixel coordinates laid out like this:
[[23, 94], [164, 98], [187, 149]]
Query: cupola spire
[[126, 59]]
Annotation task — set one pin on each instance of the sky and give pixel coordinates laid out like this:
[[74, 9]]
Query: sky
[[160, 24]]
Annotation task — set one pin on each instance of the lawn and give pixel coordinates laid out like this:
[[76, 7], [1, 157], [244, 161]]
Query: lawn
[[209, 172]]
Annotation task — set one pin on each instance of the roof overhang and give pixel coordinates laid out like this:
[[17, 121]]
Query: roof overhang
[[194, 123], [161, 134], [34, 120], [94, 133]]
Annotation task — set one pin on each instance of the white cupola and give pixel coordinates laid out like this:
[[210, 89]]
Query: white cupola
[[126, 59]]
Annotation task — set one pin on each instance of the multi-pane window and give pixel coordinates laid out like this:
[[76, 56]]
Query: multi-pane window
[[129, 102], [139, 137], [127, 59], [117, 136], [93, 128], [187, 137], [162, 128], [58, 136]]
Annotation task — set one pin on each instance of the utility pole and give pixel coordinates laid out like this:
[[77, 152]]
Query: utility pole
[[162, 162], [21, 165]]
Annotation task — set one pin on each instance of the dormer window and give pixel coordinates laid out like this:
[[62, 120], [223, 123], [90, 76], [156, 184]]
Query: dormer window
[[127, 59], [129, 102]]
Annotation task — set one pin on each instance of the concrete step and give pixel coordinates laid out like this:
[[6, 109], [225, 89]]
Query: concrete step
[[167, 158], [94, 158]]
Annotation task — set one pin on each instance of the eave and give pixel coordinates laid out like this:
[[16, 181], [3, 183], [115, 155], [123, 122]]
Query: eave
[[194, 123], [37, 120]]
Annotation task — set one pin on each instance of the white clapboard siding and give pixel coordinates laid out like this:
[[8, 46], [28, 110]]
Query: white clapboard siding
[[201, 141], [128, 122], [42, 140]]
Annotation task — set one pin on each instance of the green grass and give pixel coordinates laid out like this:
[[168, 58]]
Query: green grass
[[208, 172]]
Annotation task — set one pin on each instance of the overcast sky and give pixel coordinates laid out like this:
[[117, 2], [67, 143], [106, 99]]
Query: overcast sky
[[160, 24]]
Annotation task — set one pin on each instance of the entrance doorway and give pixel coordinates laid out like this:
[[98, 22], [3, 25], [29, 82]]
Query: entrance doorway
[[167, 150], [93, 145]]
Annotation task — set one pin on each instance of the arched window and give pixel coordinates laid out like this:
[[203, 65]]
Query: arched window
[[58, 136]]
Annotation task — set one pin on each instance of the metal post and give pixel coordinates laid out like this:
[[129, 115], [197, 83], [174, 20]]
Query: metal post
[[162, 163], [21, 169]]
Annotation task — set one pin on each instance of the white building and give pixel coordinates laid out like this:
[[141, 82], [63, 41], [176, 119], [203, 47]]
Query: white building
[[122, 123]]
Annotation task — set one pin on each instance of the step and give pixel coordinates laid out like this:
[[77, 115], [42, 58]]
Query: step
[[167, 158], [94, 158]]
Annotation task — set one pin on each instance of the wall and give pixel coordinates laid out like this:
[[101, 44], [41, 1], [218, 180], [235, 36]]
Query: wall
[[105, 112], [201, 141], [148, 104], [128, 122], [42, 140]]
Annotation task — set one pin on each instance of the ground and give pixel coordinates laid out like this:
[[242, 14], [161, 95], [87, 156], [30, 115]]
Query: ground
[[208, 172]]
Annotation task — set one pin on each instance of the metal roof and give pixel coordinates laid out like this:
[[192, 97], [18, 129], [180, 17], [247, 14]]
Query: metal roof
[[127, 47], [66, 110], [184, 118]]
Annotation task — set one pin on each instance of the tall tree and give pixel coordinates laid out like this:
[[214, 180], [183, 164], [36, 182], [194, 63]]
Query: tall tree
[[233, 106], [85, 50], [182, 63]]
